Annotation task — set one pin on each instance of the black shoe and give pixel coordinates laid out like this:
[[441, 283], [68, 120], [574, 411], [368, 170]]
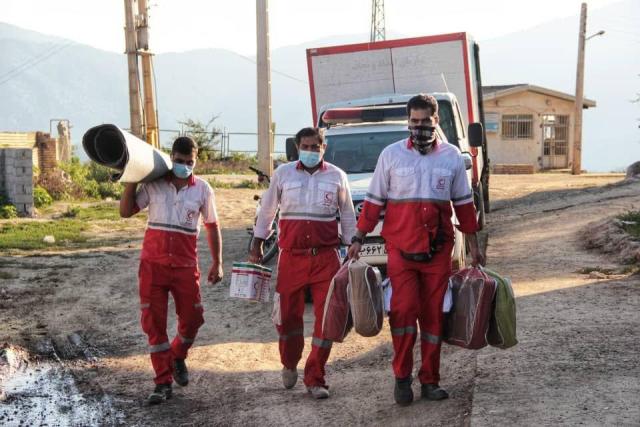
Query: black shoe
[[161, 393], [433, 392], [180, 372], [402, 392]]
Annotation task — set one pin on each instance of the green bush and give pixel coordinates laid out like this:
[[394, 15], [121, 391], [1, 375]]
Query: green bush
[[99, 173], [8, 212], [74, 180], [110, 189], [91, 189], [41, 197]]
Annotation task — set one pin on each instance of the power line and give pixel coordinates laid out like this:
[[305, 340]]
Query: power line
[[29, 59], [273, 70], [32, 63]]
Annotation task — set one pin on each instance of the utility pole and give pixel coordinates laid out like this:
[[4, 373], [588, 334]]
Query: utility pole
[[577, 124], [265, 134], [134, 82], [150, 111], [378, 31]]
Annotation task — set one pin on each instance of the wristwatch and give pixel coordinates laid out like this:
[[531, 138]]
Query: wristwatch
[[357, 239]]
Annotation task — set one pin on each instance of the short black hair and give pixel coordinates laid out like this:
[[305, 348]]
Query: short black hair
[[184, 145], [306, 132], [423, 102]]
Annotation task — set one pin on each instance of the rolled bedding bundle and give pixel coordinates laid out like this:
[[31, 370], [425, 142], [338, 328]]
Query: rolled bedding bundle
[[134, 159]]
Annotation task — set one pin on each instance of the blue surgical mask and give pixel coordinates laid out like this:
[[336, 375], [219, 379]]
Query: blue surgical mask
[[309, 158], [182, 171]]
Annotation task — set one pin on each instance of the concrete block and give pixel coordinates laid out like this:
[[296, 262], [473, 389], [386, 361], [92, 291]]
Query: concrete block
[[22, 198]]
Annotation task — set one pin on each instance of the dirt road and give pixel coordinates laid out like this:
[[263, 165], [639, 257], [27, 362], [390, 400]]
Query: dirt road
[[576, 362]]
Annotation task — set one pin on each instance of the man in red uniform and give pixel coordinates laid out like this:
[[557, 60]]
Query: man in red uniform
[[415, 182], [169, 260], [310, 194]]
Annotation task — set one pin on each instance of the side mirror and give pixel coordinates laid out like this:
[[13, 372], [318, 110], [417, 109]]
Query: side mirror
[[292, 150], [468, 160], [476, 134]]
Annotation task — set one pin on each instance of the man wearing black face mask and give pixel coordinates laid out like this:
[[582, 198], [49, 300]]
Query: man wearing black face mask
[[416, 181]]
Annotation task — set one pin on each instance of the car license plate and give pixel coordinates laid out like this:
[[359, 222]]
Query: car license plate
[[373, 249]]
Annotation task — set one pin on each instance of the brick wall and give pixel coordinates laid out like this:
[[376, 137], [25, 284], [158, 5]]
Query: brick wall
[[16, 178], [47, 152], [515, 169]]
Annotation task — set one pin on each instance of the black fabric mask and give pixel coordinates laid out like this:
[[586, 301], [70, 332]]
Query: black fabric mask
[[423, 138]]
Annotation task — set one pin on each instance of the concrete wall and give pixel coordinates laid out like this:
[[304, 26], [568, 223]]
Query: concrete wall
[[16, 178], [525, 151]]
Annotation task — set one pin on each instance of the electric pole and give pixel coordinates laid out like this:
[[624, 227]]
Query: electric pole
[[134, 82], [577, 127], [150, 113], [265, 132], [378, 32]]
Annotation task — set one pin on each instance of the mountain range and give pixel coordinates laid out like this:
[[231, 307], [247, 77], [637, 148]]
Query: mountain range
[[44, 77]]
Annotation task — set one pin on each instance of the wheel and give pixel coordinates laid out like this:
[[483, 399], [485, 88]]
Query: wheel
[[270, 248]]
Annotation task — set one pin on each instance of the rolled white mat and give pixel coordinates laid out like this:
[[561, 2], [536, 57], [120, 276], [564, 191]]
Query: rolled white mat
[[134, 159]]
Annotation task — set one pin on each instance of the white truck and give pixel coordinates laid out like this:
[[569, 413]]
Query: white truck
[[359, 93]]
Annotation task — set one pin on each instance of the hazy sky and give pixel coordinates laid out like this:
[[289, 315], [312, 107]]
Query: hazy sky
[[179, 25]]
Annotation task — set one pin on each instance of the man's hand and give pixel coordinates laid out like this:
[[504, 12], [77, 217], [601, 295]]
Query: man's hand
[[256, 251], [354, 251], [215, 273]]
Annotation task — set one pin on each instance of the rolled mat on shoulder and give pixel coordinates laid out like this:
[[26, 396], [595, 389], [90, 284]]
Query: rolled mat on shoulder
[[134, 159]]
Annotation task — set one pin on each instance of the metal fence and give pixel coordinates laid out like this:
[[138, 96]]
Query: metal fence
[[227, 143]]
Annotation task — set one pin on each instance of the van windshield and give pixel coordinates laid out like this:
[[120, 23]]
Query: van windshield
[[359, 152]]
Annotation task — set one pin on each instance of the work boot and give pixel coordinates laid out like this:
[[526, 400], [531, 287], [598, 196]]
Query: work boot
[[289, 377], [161, 393], [318, 392], [402, 391], [180, 372], [433, 392]]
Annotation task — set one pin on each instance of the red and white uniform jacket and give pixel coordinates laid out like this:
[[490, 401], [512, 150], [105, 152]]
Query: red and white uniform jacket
[[174, 219], [309, 207], [416, 192]]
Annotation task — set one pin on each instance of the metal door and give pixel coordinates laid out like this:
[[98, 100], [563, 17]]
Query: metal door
[[555, 141]]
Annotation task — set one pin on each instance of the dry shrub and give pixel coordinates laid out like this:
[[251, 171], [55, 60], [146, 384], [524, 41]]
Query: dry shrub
[[610, 237]]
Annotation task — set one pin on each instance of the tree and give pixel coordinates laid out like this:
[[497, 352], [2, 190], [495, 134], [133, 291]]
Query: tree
[[206, 136]]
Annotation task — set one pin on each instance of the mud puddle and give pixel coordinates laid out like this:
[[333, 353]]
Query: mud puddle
[[44, 393]]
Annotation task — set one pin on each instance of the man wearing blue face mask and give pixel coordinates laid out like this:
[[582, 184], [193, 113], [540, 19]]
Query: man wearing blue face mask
[[169, 261], [311, 193]]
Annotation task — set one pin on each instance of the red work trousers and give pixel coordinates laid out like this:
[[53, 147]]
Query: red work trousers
[[156, 281], [418, 294], [296, 272]]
